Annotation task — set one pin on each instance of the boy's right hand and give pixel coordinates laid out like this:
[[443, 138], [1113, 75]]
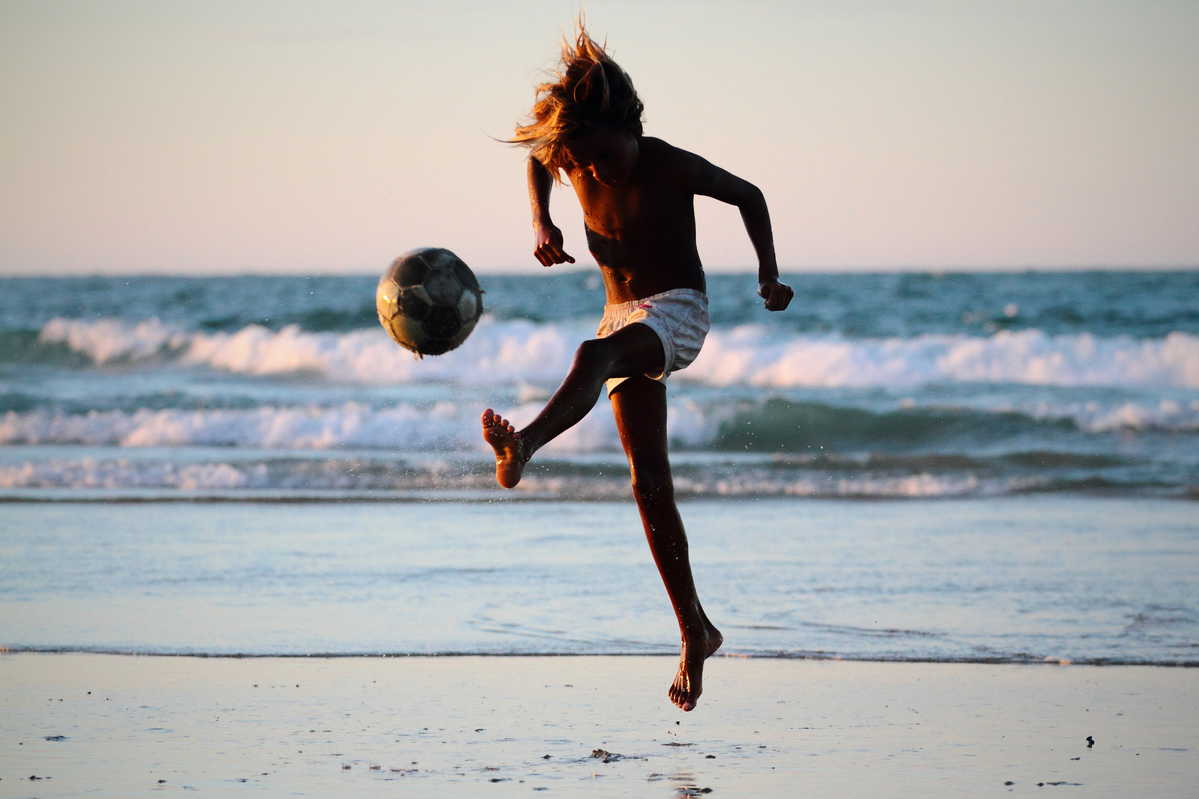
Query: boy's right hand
[[548, 248]]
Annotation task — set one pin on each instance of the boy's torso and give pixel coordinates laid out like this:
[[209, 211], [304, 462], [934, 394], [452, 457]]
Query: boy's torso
[[642, 233]]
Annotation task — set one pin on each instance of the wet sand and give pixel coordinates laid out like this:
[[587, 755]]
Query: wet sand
[[127, 726]]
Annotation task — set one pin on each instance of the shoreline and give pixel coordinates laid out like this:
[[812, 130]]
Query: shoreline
[[593, 726], [1048, 661]]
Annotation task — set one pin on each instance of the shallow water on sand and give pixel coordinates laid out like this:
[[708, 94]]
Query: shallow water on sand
[[1006, 579]]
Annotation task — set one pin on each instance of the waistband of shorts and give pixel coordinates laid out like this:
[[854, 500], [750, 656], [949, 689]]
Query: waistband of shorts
[[694, 294]]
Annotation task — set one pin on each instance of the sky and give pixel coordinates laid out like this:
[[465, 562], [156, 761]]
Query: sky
[[305, 136]]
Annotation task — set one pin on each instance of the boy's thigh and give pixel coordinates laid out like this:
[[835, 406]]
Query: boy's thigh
[[638, 350]]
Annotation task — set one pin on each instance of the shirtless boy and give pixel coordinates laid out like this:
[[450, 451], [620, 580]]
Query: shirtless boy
[[637, 196]]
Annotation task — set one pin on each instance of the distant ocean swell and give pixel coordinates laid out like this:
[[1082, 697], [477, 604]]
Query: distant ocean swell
[[744, 354]]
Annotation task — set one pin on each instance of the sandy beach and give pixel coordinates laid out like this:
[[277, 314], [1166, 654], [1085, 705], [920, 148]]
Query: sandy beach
[[124, 726]]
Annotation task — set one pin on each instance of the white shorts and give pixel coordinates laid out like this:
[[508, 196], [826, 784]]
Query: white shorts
[[678, 316]]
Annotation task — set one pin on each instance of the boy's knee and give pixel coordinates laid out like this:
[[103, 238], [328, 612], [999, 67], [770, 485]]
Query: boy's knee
[[652, 483], [594, 350]]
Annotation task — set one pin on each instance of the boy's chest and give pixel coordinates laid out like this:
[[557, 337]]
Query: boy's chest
[[626, 212]]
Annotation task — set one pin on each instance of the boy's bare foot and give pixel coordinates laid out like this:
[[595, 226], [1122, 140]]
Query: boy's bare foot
[[510, 456], [688, 683]]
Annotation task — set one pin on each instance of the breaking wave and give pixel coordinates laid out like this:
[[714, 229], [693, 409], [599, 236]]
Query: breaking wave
[[364, 477], [756, 355], [773, 425]]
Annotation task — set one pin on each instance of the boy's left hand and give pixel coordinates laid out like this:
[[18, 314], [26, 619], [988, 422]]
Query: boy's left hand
[[777, 295]]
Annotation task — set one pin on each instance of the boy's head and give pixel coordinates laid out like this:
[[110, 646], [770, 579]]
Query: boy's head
[[590, 93]]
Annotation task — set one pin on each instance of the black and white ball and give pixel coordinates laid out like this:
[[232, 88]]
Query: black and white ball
[[429, 301]]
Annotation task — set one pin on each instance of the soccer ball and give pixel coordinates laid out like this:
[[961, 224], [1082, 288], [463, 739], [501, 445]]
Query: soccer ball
[[428, 301]]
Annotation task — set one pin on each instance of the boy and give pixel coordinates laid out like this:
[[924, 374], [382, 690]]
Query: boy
[[637, 197]]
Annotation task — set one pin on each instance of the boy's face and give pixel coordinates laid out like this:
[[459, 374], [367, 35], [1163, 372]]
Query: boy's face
[[607, 155]]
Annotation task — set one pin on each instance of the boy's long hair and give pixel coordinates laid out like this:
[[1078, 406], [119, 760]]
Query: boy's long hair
[[589, 91]]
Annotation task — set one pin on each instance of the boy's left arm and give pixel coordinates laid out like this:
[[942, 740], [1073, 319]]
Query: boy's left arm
[[710, 180]]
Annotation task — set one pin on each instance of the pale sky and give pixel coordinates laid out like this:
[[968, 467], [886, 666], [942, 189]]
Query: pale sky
[[147, 136]]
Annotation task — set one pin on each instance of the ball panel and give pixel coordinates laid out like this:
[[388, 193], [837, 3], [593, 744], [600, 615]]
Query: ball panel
[[386, 299], [443, 286], [387, 289], [414, 302], [439, 257], [439, 346], [442, 322], [410, 269], [407, 332], [465, 276], [468, 306], [464, 331]]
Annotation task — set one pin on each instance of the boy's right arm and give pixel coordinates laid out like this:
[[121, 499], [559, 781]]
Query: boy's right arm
[[547, 248]]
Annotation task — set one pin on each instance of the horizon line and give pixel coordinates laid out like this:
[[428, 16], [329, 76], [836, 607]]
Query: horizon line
[[512, 271]]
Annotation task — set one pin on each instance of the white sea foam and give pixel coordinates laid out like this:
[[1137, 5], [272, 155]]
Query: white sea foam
[[453, 426], [94, 473], [444, 426], [1103, 417], [311, 477], [512, 351], [750, 354]]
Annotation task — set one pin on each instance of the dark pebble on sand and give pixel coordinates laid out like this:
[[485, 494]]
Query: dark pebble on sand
[[545, 757], [1008, 782], [709, 757]]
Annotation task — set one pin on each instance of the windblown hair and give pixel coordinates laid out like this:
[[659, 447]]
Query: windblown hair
[[589, 91]]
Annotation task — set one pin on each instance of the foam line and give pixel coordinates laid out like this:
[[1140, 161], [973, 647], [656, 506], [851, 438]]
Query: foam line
[[746, 354]]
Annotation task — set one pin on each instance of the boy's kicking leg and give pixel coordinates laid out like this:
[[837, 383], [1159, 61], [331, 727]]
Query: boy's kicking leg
[[639, 405], [632, 350]]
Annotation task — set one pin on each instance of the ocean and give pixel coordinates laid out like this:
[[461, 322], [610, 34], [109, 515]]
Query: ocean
[[901, 466]]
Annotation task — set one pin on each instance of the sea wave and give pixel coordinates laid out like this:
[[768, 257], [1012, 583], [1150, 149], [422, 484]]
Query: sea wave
[[771, 425], [298, 478], [758, 355], [775, 425]]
